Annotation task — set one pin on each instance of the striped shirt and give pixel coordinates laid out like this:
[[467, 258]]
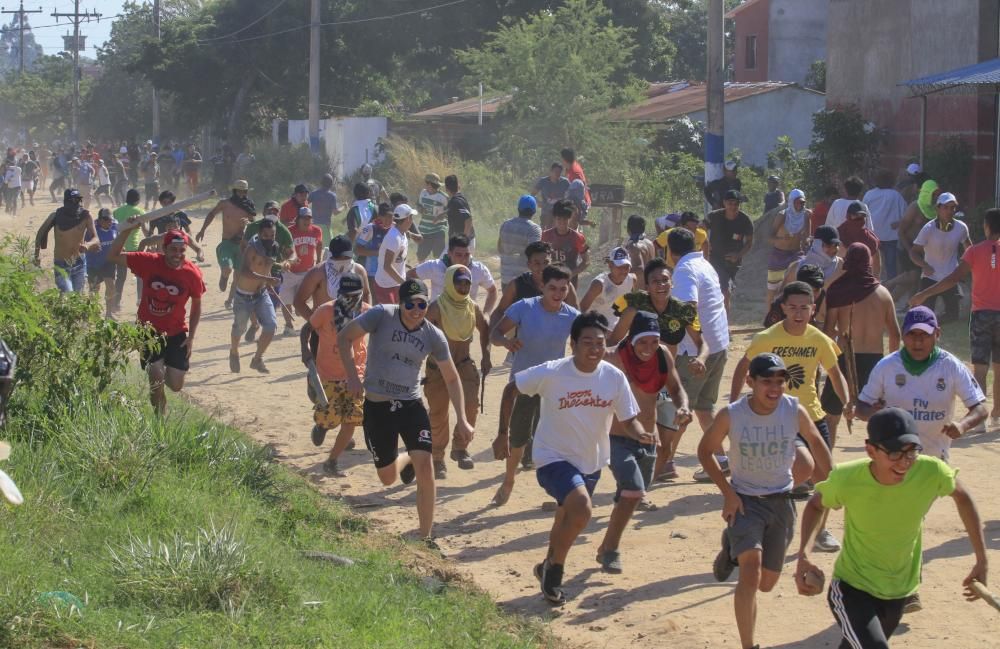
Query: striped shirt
[[515, 235], [433, 219]]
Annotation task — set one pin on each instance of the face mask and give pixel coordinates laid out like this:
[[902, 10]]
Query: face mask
[[341, 265]]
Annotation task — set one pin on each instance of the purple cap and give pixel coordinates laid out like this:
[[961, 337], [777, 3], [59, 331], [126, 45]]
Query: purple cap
[[920, 318]]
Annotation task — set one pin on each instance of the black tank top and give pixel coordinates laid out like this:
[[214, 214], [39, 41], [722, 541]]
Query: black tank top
[[525, 286]]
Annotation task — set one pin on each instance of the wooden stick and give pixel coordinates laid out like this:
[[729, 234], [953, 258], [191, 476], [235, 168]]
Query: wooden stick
[[979, 589], [317, 385], [850, 364], [175, 206]]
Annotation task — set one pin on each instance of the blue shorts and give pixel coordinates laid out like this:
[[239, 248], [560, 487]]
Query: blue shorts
[[558, 479], [632, 465], [824, 432]]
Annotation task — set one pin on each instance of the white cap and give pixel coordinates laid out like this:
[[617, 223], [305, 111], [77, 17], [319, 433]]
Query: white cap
[[730, 165], [123, 149], [620, 257], [270, 217], [913, 168], [402, 211], [945, 198]]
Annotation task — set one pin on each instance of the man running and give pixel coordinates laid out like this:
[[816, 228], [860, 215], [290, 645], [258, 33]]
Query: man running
[[789, 236], [578, 397], [459, 252], [322, 283], [308, 242], [99, 270], [433, 224], [392, 256], [399, 339], [608, 287], [237, 211], [937, 249], [549, 189], [886, 497], [325, 206], [649, 367], [252, 282], [290, 209], [730, 237], [454, 313], [640, 247], [514, 236], [763, 429], [530, 283], [169, 282], [569, 247], [72, 225]]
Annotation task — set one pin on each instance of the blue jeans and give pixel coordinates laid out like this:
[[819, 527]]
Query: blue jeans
[[71, 277], [259, 304], [890, 251]]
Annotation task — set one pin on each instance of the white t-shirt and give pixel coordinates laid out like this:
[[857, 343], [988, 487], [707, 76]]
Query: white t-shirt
[[103, 177], [611, 292], [838, 213], [696, 281], [396, 242], [575, 418], [940, 247], [433, 271], [887, 207], [13, 177], [930, 397]]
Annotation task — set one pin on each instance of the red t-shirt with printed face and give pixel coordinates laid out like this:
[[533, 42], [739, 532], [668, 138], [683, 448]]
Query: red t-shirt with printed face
[[307, 243], [165, 290]]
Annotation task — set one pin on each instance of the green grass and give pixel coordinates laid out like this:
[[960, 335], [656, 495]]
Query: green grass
[[183, 533]]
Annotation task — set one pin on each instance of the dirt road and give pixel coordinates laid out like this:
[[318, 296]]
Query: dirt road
[[666, 596]]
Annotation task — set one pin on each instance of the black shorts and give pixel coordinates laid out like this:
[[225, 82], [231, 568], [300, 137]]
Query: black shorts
[[103, 190], [864, 363], [171, 351], [824, 432], [727, 273], [386, 421], [903, 262], [984, 337], [865, 620], [152, 188], [101, 273]]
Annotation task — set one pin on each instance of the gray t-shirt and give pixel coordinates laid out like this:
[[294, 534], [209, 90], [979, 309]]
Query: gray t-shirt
[[395, 354], [542, 333], [551, 192], [515, 235], [762, 447]]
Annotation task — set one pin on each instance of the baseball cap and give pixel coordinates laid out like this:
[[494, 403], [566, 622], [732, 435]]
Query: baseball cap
[[241, 185], [811, 274], [731, 165], [920, 318], [73, 194], [462, 275], [773, 179], [732, 195], [892, 429], [827, 234], [620, 257], [857, 207], [104, 213], [913, 168], [767, 364], [644, 324], [402, 211], [350, 284], [271, 205], [271, 217], [527, 202], [945, 198], [433, 179], [305, 211], [300, 189], [412, 288], [173, 236], [340, 246]]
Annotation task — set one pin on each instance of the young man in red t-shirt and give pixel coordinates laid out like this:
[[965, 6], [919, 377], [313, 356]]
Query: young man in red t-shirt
[[290, 208], [307, 241], [169, 281], [569, 247]]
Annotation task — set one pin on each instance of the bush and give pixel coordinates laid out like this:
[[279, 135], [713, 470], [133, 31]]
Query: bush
[[277, 169], [949, 162]]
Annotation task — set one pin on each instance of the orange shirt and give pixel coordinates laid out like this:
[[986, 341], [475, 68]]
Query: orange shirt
[[327, 356]]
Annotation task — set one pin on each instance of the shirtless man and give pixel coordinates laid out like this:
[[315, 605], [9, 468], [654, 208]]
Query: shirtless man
[[237, 211], [458, 317], [859, 306], [640, 247], [72, 224], [321, 283], [252, 282], [789, 237]]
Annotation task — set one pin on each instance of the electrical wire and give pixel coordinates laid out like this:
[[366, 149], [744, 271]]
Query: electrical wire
[[246, 27]]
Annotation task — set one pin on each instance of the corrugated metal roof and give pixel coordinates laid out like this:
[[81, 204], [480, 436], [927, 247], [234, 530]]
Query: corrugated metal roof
[[463, 108], [986, 73], [686, 98]]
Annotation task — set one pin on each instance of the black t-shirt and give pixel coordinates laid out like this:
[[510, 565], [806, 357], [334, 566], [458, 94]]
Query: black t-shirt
[[727, 236], [458, 213], [715, 190]]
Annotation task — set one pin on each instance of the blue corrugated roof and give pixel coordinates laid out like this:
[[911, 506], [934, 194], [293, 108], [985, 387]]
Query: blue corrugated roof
[[986, 73]]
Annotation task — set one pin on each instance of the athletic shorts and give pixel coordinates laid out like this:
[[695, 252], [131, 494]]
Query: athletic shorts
[[103, 190], [984, 337], [228, 253], [778, 262], [903, 262], [290, 283], [343, 408], [727, 273], [524, 419], [865, 620], [152, 188], [632, 466], [382, 295], [766, 524], [824, 432], [385, 422], [171, 351], [559, 479], [702, 390], [97, 274], [864, 363]]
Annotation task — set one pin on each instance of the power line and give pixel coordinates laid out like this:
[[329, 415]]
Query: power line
[[20, 28], [76, 18], [246, 27]]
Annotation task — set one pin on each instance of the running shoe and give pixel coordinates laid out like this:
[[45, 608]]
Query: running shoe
[[723, 565], [408, 474], [826, 542], [318, 435], [611, 561], [440, 470], [258, 364], [330, 468], [289, 331], [464, 459], [550, 576], [912, 604], [702, 476]]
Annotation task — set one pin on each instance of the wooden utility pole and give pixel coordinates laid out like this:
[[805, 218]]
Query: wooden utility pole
[[314, 77], [715, 92], [76, 17], [156, 95], [20, 28]]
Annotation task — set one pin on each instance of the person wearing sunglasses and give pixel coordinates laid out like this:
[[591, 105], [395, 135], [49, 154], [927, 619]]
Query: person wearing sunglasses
[[399, 340], [885, 498], [982, 262]]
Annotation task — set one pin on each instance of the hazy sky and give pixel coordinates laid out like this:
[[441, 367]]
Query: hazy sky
[[50, 37]]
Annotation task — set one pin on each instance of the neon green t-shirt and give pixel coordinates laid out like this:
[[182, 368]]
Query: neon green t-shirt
[[883, 523], [122, 215]]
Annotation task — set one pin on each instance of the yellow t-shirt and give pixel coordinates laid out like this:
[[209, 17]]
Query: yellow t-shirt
[[802, 355], [700, 236]]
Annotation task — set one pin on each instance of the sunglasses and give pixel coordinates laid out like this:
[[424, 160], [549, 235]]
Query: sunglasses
[[419, 304], [895, 456]]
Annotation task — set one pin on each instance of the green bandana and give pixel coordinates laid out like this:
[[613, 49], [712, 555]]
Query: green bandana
[[914, 367]]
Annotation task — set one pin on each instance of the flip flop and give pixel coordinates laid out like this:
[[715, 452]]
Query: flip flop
[[500, 498]]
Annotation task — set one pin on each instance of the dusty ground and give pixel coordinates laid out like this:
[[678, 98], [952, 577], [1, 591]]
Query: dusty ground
[[667, 596]]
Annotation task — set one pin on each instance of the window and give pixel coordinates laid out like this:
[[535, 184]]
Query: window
[[751, 55]]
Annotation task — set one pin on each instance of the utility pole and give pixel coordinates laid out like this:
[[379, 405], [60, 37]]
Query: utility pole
[[156, 95], [715, 93], [76, 17], [20, 28], [314, 77]]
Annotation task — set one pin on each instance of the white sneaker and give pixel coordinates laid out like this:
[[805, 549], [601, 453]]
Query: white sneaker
[[702, 476], [826, 542]]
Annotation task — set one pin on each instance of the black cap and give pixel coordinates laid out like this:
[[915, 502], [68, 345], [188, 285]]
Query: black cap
[[811, 274], [350, 284], [892, 429], [767, 364], [300, 189], [72, 194], [340, 246], [827, 234], [644, 324], [412, 288], [857, 207], [732, 195]]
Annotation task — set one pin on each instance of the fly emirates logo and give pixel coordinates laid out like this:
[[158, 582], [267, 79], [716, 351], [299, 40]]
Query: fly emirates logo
[[583, 399]]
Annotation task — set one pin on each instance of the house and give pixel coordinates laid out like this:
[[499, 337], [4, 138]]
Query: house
[[349, 141], [778, 40], [875, 46]]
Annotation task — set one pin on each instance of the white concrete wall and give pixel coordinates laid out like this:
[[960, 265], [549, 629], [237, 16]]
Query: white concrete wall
[[797, 38], [349, 141]]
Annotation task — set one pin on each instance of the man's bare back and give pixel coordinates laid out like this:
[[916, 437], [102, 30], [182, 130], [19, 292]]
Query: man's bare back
[[313, 288], [872, 318]]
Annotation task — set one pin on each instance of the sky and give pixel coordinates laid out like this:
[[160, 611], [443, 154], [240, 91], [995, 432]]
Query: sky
[[50, 38]]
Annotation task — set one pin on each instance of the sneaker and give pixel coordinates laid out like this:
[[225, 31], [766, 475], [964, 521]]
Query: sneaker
[[431, 543], [826, 542], [978, 430], [330, 468], [550, 576], [611, 561], [912, 604], [234, 363], [228, 304], [440, 470], [464, 459], [223, 282], [289, 331], [251, 334], [527, 464], [408, 474], [668, 473], [723, 565], [702, 476], [258, 364], [646, 505], [318, 435]]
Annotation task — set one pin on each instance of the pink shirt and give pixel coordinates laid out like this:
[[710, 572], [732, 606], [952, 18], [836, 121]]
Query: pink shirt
[[984, 260]]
